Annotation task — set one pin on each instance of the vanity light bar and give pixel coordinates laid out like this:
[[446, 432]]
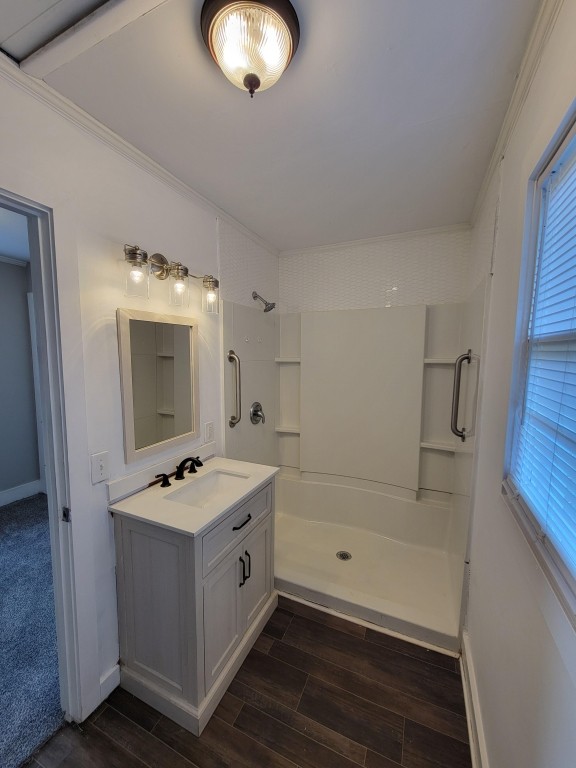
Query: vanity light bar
[[139, 266]]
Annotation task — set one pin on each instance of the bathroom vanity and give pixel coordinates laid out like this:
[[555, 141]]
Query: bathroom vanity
[[195, 587]]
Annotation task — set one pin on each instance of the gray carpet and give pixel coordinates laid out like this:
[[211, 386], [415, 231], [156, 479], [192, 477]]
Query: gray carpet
[[29, 696]]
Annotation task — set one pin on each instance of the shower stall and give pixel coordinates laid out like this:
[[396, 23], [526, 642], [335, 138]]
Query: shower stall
[[373, 497]]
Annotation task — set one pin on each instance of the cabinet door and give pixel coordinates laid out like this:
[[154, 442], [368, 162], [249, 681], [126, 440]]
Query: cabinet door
[[222, 620], [256, 590]]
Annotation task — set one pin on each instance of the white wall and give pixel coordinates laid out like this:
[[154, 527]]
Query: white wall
[[522, 645], [424, 267], [248, 265], [101, 199]]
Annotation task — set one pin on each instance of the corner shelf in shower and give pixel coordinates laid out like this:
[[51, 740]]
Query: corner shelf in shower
[[439, 360], [288, 360], [447, 447], [287, 430]]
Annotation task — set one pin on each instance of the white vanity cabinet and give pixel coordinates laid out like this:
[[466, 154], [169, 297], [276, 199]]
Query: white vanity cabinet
[[191, 605], [234, 594]]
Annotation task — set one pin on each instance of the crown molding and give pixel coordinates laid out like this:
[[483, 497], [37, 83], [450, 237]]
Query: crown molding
[[43, 93], [447, 230], [541, 31]]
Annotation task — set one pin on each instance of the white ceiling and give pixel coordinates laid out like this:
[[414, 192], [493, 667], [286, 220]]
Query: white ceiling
[[27, 24], [384, 122]]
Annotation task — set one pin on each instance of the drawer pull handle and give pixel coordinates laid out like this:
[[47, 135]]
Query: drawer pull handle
[[244, 579], [249, 564], [237, 527]]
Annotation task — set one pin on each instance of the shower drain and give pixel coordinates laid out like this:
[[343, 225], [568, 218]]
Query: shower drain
[[343, 555]]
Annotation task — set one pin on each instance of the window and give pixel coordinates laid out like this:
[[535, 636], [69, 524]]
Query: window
[[542, 471]]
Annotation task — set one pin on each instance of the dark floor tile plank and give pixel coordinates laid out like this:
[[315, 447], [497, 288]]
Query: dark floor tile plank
[[134, 709], [362, 721], [290, 743], [189, 746], [139, 742], [322, 617], [98, 711], [425, 681], [374, 760], [304, 725], [229, 708], [411, 649], [89, 749], [273, 678], [263, 643], [425, 748], [403, 704], [240, 749], [278, 624], [55, 751]]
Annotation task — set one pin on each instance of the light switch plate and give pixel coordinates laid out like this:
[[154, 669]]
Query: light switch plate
[[209, 432], [99, 467]]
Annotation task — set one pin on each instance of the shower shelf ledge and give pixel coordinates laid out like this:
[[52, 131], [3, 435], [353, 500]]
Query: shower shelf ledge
[[446, 447], [439, 360], [288, 430], [289, 360]]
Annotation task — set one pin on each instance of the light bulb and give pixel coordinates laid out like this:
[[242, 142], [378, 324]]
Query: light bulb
[[179, 286], [211, 297], [136, 273]]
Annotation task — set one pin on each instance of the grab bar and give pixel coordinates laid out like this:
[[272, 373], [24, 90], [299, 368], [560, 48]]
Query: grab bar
[[233, 358], [467, 357]]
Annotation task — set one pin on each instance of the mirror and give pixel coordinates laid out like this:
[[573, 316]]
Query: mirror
[[159, 381]]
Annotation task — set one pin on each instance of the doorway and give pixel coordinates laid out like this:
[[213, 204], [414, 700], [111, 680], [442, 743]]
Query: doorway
[[37, 629]]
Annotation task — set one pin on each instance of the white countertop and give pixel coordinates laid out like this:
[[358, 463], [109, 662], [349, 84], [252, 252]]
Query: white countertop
[[152, 506]]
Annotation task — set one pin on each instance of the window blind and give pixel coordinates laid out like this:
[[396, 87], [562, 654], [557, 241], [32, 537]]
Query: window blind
[[544, 450]]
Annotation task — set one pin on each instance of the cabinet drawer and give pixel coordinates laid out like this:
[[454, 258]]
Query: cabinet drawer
[[223, 538]]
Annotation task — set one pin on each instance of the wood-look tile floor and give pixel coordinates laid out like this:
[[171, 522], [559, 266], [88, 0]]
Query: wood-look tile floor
[[315, 692]]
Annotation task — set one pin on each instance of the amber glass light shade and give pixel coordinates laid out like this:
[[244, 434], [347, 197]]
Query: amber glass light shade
[[251, 42]]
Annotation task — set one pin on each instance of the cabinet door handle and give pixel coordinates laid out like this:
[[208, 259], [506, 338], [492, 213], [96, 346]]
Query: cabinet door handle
[[244, 579], [249, 564], [237, 527]]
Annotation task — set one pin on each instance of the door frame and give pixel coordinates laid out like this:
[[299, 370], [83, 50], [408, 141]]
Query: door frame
[[53, 437]]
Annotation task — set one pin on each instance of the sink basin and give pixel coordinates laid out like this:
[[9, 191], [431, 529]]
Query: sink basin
[[205, 490]]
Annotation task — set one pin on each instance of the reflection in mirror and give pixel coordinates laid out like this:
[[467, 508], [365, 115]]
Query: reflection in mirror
[[158, 366]]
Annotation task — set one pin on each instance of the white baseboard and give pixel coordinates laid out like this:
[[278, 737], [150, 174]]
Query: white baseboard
[[21, 492], [109, 681], [473, 711]]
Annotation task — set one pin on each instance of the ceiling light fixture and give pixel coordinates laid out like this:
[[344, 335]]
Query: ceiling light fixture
[[252, 42], [139, 266]]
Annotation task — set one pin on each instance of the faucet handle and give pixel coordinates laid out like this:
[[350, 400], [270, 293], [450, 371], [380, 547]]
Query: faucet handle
[[165, 482], [181, 467], [197, 462]]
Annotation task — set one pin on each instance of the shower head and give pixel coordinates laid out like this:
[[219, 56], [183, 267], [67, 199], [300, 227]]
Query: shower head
[[268, 305]]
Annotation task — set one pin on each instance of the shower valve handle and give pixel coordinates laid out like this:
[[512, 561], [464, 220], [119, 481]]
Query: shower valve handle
[[257, 414]]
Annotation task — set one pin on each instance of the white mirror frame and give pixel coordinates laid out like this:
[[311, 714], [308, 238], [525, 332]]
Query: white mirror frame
[[123, 317]]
